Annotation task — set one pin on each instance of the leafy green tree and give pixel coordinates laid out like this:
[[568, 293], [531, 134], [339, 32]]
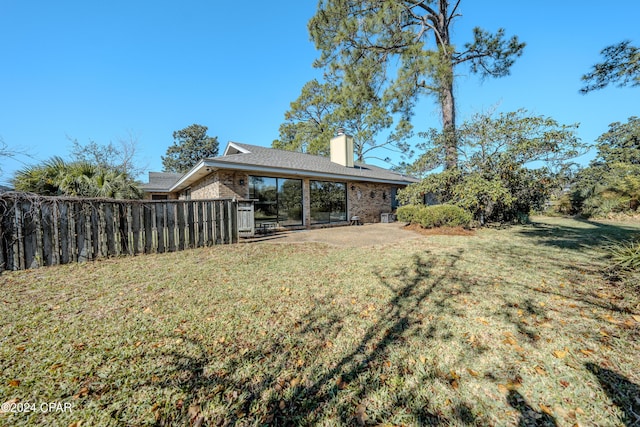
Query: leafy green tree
[[190, 145], [55, 177], [611, 182], [621, 65], [506, 168], [323, 108], [411, 40], [308, 127]]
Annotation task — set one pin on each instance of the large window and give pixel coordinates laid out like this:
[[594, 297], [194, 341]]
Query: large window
[[328, 201], [278, 200]]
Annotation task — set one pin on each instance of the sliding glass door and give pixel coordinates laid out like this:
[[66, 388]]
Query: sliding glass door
[[328, 201]]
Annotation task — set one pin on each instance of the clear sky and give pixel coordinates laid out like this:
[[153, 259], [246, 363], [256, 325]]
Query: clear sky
[[105, 70]]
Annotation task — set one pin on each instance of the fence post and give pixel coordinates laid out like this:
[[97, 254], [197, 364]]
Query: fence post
[[18, 245], [55, 235]]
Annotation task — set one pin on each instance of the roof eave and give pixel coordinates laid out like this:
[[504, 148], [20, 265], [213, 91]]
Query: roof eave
[[212, 164]]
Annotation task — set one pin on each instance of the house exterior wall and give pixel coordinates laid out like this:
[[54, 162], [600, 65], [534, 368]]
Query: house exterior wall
[[364, 199], [368, 200], [222, 185]]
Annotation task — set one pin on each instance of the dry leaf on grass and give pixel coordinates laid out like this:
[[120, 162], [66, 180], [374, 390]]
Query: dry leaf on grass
[[546, 409], [561, 354], [361, 414], [473, 373]]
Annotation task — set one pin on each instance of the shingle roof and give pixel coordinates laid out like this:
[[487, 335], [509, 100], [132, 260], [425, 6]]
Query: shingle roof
[[161, 181], [305, 163], [257, 159]]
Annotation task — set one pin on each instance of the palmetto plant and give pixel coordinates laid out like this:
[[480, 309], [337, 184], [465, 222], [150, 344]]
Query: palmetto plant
[[625, 255], [55, 177]]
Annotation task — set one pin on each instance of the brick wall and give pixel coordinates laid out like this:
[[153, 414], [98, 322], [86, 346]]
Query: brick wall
[[369, 200], [222, 184]]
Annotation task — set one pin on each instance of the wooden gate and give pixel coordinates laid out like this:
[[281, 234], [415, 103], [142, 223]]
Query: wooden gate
[[246, 224]]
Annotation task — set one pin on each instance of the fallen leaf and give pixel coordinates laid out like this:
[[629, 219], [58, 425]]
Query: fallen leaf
[[361, 414], [509, 340], [76, 424], [282, 405], [473, 373], [20, 348], [422, 359], [561, 354], [546, 409], [84, 391], [586, 351], [147, 310], [610, 319], [294, 382], [503, 388], [564, 383], [14, 383], [540, 370], [194, 414], [636, 317]]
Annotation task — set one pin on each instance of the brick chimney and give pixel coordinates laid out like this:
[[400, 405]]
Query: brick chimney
[[342, 149]]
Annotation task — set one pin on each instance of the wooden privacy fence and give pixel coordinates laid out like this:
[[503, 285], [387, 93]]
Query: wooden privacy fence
[[36, 231]]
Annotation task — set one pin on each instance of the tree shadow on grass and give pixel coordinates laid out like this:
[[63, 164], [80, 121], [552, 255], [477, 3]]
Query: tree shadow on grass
[[296, 377], [622, 392], [529, 417], [587, 234]]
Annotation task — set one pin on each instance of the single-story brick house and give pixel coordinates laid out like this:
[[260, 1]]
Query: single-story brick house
[[289, 189]]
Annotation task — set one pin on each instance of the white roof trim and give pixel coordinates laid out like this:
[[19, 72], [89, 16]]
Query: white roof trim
[[187, 176], [237, 148]]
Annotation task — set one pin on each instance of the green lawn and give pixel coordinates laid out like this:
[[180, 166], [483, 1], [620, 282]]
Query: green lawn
[[505, 327]]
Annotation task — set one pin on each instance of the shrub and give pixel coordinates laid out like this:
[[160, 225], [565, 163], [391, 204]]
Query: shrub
[[443, 216], [407, 213]]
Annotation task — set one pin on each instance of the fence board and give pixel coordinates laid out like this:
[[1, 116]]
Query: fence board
[[36, 231]]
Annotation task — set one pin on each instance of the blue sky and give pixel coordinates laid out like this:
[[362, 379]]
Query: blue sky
[[105, 70]]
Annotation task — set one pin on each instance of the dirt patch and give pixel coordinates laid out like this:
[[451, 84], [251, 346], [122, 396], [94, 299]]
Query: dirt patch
[[446, 231]]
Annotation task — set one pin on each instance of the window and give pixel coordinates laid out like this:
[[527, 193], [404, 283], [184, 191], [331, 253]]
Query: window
[[159, 197], [328, 201], [277, 200]]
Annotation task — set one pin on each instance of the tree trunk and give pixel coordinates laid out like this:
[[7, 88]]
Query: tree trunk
[[449, 127], [445, 80]]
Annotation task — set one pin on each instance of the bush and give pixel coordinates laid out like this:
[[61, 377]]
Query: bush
[[407, 213], [625, 262], [435, 216]]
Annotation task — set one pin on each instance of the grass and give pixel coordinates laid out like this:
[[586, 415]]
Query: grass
[[505, 327]]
